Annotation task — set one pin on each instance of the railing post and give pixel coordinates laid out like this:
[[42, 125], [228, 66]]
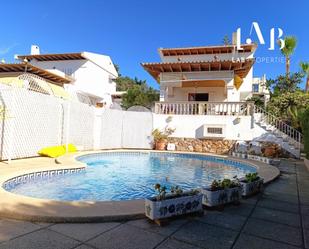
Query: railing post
[[248, 109]]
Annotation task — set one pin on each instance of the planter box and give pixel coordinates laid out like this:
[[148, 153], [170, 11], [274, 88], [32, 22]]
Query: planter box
[[275, 161], [243, 156], [251, 188], [235, 154], [260, 158], [220, 197], [184, 204], [239, 155]]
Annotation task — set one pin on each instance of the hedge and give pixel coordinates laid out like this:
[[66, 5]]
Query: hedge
[[305, 130]]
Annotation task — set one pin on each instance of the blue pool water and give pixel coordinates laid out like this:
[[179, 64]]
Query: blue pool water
[[131, 175]]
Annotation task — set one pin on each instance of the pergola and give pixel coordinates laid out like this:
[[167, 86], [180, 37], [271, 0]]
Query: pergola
[[53, 57], [224, 49], [240, 68], [28, 68]]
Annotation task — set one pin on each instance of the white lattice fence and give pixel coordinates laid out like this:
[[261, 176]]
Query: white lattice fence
[[32, 121]]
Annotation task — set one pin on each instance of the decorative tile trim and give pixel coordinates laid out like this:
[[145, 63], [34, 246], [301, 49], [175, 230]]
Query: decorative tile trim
[[104, 155], [22, 179], [271, 161]]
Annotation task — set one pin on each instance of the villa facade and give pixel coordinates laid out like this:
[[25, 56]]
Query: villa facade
[[92, 75], [206, 74], [205, 93]]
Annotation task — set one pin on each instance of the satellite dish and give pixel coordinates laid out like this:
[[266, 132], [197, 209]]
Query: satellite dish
[[138, 108], [115, 106]]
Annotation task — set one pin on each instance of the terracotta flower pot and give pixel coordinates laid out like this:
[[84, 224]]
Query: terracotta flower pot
[[270, 152], [160, 145]]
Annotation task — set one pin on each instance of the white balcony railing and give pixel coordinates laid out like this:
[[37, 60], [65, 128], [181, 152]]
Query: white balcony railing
[[204, 108]]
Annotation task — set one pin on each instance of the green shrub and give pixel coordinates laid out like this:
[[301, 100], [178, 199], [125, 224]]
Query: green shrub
[[305, 130]]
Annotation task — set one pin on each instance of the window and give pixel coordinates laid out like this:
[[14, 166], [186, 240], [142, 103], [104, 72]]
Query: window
[[214, 130], [198, 96], [255, 88]]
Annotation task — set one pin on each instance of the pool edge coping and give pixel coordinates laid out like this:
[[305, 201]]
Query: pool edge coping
[[45, 210]]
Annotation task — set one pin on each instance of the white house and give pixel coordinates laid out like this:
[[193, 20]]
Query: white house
[[204, 93], [209, 73], [92, 74]]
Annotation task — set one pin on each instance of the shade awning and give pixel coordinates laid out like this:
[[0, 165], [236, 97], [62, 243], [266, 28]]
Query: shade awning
[[28, 68], [53, 57], [241, 68], [223, 49]]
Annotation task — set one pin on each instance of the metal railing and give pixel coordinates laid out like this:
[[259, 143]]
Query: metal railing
[[204, 108], [282, 128]]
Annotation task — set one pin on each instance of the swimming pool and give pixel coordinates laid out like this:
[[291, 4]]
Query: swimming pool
[[128, 176]]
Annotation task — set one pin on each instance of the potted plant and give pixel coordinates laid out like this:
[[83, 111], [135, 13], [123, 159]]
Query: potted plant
[[177, 202], [251, 184], [160, 137], [222, 192]]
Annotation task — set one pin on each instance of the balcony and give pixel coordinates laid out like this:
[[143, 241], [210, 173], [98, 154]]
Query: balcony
[[204, 108]]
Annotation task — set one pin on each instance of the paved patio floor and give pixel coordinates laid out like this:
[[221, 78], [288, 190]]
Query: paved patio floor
[[279, 218]]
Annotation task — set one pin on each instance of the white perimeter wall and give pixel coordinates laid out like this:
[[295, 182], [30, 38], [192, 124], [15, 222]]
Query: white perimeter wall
[[122, 129], [31, 121], [187, 125]]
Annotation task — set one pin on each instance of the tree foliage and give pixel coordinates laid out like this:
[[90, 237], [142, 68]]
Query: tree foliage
[[258, 101], [305, 69], [125, 83], [290, 43], [285, 104], [140, 95], [138, 92], [305, 130], [287, 100], [226, 40], [284, 83]]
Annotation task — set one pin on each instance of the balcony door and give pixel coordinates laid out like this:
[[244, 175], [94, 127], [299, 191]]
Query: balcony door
[[198, 96]]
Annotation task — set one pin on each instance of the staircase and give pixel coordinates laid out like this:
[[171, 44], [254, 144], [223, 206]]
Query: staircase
[[278, 132]]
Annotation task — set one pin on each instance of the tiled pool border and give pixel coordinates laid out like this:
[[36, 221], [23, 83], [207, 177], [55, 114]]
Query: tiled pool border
[[13, 182], [45, 210], [232, 162]]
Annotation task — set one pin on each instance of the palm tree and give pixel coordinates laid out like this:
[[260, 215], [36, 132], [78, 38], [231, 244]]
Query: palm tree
[[294, 115], [290, 43], [305, 68]]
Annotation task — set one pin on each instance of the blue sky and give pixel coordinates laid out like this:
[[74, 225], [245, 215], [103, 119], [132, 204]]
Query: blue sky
[[132, 31]]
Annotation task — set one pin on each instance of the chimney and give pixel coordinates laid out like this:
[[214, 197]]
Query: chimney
[[35, 50]]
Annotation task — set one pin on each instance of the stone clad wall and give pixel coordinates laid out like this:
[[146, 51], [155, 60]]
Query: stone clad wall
[[220, 147]]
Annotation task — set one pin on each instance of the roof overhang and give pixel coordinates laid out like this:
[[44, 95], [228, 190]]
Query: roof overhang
[[224, 49], [28, 68], [53, 57], [241, 68]]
